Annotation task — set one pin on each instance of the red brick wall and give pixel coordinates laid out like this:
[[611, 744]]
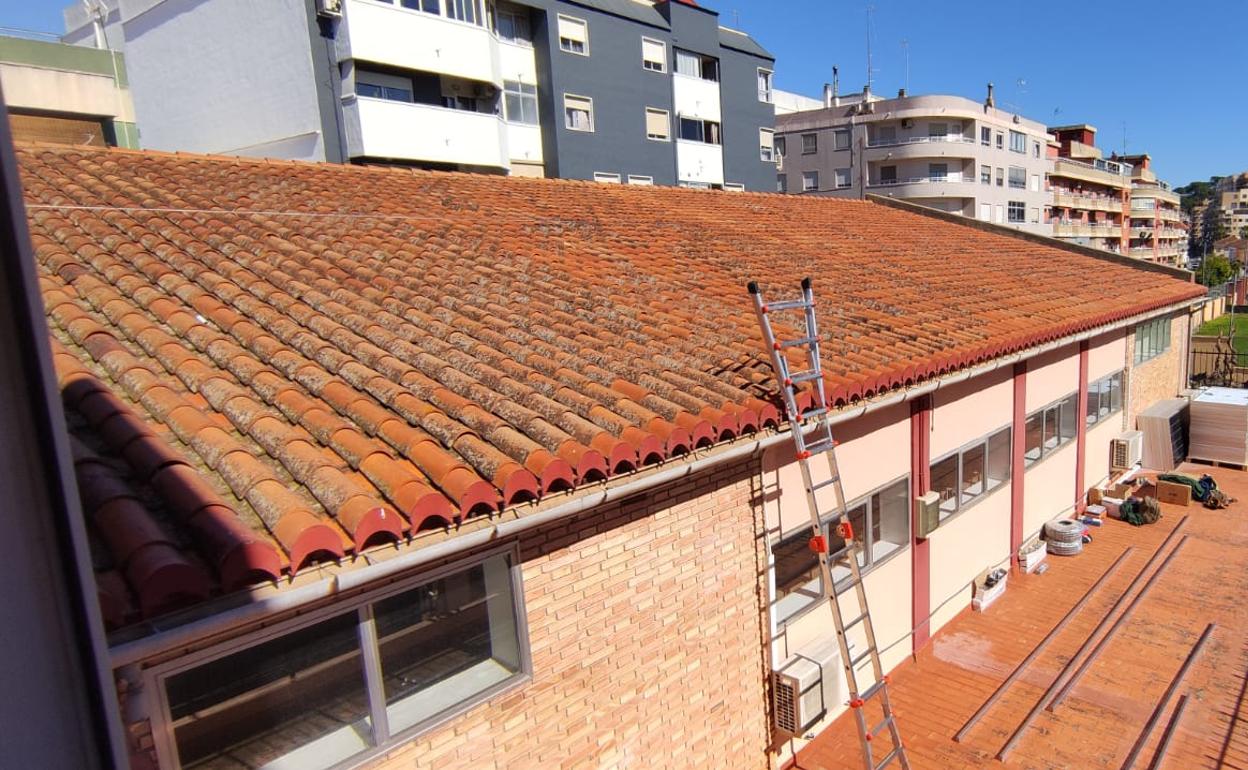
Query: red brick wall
[[646, 622]]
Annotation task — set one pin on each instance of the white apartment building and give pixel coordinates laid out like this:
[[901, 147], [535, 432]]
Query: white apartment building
[[945, 152]]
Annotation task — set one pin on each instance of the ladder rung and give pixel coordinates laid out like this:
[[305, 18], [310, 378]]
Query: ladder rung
[[788, 304], [805, 376], [888, 758], [871, 691], [820, 485], [810, 414], [885, 722], [855, 622], [853, 663], [819, 447], [798, 341]]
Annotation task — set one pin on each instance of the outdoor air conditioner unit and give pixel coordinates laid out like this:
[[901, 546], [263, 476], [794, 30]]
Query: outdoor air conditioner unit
[[806, 685], [928, 507], [1126, 450], [329, 8]]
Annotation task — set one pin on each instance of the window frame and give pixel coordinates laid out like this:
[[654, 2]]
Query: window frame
[[667, 120], [662, 60], [1043, 413], [811, 176], [810, 147], [640, 180], [515, 16], [837, 176], [1018, 142], [840, 140], [1016, 212], [566, 125], [559, 19], [767, 150], [985, 136], [607, 177], [1152, 339], [1013, 180], [984, 442], [782, 183], [524, 97], [155, 677], [765, 96]]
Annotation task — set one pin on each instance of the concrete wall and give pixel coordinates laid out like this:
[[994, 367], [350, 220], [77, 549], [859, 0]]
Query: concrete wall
[[224, 76], [744, 114]]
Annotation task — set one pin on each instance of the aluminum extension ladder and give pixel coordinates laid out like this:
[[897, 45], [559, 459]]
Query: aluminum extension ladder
[[809, 446]]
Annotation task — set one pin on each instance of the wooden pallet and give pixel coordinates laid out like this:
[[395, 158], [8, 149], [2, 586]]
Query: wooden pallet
[[1218, 463]]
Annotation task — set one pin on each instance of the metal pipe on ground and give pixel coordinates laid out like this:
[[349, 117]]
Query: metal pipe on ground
[[1044, 699], [1165, 698], [1096, 651], [1160, 756], [1061, 624]]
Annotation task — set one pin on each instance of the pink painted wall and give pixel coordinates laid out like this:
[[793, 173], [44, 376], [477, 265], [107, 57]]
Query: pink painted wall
[[1052, 376], [1107, 354], [1049, 489], [970, 410]]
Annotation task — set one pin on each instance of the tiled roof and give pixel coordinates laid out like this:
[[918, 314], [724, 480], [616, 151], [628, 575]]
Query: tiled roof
[[285, 362]]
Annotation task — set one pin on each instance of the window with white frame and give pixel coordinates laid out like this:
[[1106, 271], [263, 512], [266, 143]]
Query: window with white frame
[[606, 177], [323, 689], [1047, 430], [1000, 140], [780, 146], [782, 182], [962, 477], [1152, 338], [937, 130], [880, 520], [840, 139], [841, 175], [1018, 178], [810, 144], [653, 54], [1035, 183], [658, 125], [766, 145], [513, 25], [698, 130], [578, 112], [640, 179], [1104, 397], [382, 85], [573, 35], [1016, 212], [734, 187], [696, 65], [1000, 177], [1035, 149], [985, 136], [764, 85], [1018, 142], [810, 181], [985, 175], [519, 102], [1033, 215]]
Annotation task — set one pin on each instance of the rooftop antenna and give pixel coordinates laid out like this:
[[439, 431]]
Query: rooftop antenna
[[1124, 137], [96, 13], [736, 19], [870, 71], [905, 48]]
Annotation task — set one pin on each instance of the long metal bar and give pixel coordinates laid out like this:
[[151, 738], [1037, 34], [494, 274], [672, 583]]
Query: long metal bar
[[1039, 648], [1159, 756], [1155, 717], [1096, 651], [1044, 699]]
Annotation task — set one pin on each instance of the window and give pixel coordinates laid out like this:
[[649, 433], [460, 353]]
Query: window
[[1017, 212], [1034, 215], [764, 85], [653, 54], [810, 181], [1000, 177], [1035, 149], [780, 146], [299, 695], [1035, 183], [606, 177], [1152, 338], [1050, 428], [697, 65], [885, 134], [782, 182], [428, 6], [985, 136], [888, 174], [1018, 142], [1000, 214], [734, 187], [520, 102], [985, 175], [1018, 178], [464, 10], [1000, 141], [698, 130], [578, 113], [881, 521], [658, 126], [971, 472], [841, 176], [810, 144], [380, 85], [1104, 397], [641, 180], [840, 139], [767, 145], [937, 172], [513, 27], [937, 130], [985, 212], [465, 103], [573, 35]]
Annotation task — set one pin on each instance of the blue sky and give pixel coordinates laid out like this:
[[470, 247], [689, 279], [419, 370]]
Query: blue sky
[[1171, 73]]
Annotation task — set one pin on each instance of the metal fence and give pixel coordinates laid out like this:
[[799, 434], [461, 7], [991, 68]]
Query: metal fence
[[1226, 370]]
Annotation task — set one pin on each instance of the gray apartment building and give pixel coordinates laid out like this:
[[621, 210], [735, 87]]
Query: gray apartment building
[[945, 152], [625, 91]]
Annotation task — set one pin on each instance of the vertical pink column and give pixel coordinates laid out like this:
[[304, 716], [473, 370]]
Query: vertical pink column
[[1019, 438], [1081, 440]]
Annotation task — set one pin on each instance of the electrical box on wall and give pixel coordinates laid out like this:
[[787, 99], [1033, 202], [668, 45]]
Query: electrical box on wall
[[330, 9], [928, 508]]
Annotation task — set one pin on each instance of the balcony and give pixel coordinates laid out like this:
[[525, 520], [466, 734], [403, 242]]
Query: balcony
[[1067, 199], [1099, 172], [699, 162], [951, 185], [393, 35], [921, 147], [694, 97], [378, 128], [1086, 230]]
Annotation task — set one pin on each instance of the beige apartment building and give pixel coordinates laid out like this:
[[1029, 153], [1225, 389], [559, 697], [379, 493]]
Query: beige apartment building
[[1090, 193], [945, 152], [1231, 194], [1157, 231]]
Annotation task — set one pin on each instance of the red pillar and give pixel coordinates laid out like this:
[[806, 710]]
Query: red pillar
[[1081, 434], [920, 549], [1018, 437]]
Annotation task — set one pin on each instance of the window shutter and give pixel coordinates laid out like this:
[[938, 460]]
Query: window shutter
[[656, 123], [572, 29], [766, 139], [653, 51]]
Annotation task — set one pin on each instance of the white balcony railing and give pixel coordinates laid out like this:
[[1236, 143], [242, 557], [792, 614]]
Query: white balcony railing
[[947, 179], [380, 128], [391, 34], [950, 138]]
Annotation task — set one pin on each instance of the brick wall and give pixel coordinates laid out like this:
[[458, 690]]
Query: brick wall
[[646, 622], [1160, 377]]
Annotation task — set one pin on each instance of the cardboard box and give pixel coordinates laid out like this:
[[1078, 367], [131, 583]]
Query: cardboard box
[[1176, 494], [1112, 504], [1094, 495], [1120, 491]]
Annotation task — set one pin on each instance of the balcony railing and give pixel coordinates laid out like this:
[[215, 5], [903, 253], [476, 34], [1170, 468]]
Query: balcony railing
[[1076, 201], [946, 179], [952, 138]]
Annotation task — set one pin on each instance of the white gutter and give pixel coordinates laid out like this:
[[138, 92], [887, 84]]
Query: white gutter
[[184, 635]]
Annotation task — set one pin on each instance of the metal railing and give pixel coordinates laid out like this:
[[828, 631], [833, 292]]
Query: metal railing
[[954, 139], [1213, 368], [947, 179]]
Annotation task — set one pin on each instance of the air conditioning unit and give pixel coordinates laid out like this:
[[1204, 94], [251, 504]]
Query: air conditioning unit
[[331, 9], [1126, 450], [907, 123], [928, 507], [806, 685]]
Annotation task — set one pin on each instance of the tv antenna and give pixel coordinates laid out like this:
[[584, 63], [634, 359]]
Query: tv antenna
[[905, 49], [870, 70]]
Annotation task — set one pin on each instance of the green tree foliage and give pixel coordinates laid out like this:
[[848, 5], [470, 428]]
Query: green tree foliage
[[1215, 270]]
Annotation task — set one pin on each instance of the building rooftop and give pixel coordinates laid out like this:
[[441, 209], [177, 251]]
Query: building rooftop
[[269, 364], [1098, 723]]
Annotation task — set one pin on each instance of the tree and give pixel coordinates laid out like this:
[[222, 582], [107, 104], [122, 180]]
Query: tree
[[1216, 270]]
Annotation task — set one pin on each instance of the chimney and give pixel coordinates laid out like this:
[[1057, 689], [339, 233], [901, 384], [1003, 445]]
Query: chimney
[[827, 95], [991, 101], [836, 87], [901, 93]]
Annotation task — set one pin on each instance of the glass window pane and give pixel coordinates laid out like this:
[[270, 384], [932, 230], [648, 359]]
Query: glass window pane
[[890, 527], [1094, 401], [1050, 428], [1115, 393], [296, 701], [446, 641], [858, 520], [1033, 438], [973, 473], [798, 583], [998, 466], [945, 483], [1069, 424]]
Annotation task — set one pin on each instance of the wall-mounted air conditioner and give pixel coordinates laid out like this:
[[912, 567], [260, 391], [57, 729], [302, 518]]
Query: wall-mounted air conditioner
[[928, 507], [1126, 450], [331, 9], [806, 685]]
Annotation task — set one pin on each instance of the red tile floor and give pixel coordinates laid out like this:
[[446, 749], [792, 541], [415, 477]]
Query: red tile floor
[[1100, 720]]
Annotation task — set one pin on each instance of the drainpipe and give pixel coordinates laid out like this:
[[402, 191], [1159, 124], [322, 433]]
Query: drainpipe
[[327, 588]]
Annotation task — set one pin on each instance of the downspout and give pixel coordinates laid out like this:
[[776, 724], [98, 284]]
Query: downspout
[[184, 635]]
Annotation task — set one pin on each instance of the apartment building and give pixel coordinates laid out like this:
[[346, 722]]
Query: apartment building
[[945, 152], [614, 90], [1157, 229], [1091, 195], [1231, 196], [66, 94]]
